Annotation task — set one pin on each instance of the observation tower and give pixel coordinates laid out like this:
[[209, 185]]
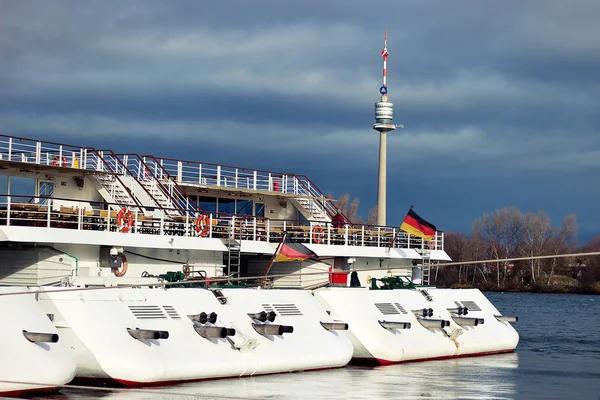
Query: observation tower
[[384, 113]]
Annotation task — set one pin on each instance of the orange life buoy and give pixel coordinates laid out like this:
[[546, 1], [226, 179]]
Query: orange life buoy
[[202, 227], [60, 161], [124, 220], [317, 234], [120, 272]]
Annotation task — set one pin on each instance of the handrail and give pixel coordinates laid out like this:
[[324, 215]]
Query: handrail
[[221, 225], [116, 175], [173, 181]]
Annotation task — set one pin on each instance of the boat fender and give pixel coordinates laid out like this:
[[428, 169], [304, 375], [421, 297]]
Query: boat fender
[[40, 337], [271, 316], [212, 317], [459, 310]]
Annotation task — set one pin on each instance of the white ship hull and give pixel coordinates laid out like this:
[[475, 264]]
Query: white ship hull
[[96, 323], [24, 365], [363, 310]]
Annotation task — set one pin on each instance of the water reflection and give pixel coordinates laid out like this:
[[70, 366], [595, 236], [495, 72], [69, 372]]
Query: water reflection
[[481, 377]]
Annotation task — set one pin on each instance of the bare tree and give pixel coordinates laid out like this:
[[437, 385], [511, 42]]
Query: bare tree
[[564, 241], [502, 231], [372, 217], [537, 231], [353, 212], [343, 203]]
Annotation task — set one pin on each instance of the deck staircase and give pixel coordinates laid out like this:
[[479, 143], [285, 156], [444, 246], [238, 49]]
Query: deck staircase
[[126, 179]]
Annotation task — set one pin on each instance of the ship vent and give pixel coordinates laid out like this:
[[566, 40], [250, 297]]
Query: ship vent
[[283, 309], [471, 305], [387, 308], [400, 308], [171, 312], [147, 312]]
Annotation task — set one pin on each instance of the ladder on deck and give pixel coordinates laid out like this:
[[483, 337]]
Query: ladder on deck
[[426, 269], [234, 254]]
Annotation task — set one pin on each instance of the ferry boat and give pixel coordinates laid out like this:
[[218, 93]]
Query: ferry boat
[[105, 237]]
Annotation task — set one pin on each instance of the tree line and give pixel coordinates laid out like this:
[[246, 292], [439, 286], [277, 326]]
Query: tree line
[[508, 233]]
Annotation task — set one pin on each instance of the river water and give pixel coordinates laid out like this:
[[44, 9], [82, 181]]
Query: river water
[[558, 357]]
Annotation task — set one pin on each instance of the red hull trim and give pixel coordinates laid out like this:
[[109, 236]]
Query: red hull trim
[[19, 393], [381, 361], [127, 383]]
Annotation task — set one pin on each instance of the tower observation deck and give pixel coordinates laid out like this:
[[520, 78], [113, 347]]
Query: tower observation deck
[[384, 114]]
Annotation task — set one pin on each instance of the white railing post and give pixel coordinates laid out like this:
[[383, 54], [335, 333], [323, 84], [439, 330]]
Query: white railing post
[[48, 213], [236, 179], [254, 228], [187, 222], [210, 226], [84, 159], [268, 229], [254, 186], [218, 175], [108, 219], [79, 217], [38, 152], [328, 233], [162, 224], [199, 174], [179, 171], [135, 223], [378, 236], [8, 211], [9, 148], [362, 242], [310, 238], [60, 154], [346, 235]]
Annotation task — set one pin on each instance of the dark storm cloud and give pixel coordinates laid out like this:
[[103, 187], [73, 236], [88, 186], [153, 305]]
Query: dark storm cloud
[[499, 99]]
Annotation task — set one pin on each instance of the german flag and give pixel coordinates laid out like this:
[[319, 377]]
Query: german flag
[[418, 226], [290, 251]]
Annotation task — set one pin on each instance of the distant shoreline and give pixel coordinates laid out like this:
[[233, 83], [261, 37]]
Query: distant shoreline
[[536, 289]]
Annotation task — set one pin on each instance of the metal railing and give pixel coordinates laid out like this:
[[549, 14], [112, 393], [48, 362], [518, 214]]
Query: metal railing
[[52, 212], [207, 174]]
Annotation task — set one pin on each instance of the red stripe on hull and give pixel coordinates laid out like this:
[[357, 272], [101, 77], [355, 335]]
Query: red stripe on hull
[[173, 382], [17, 393], [381, 361]]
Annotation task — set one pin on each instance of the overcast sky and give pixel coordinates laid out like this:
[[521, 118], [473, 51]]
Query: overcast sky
[[500, 99]]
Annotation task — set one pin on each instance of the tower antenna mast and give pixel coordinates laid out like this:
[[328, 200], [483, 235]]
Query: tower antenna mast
[[384, 114]]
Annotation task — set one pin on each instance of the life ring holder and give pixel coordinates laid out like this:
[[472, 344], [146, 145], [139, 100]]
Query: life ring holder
[[60, 161], [124, 220], [317, 234], [202, 225], [119, 272], [186, 270]]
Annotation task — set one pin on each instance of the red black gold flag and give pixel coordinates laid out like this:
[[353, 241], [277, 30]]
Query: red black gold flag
[[290, 251], [418, 226]]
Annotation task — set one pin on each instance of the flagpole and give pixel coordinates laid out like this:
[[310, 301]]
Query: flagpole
[[273, 257]]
